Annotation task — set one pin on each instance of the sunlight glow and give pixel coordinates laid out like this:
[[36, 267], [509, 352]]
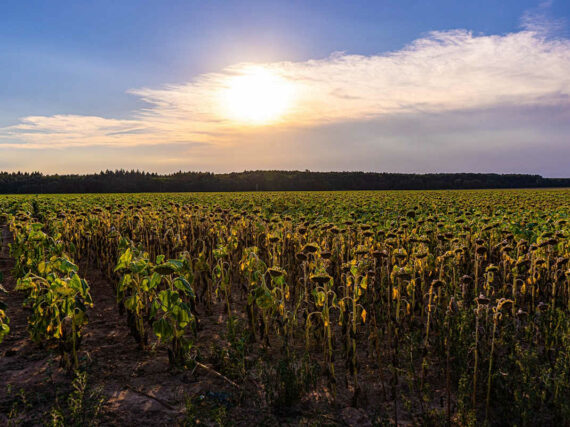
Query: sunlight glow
[[258, 96]]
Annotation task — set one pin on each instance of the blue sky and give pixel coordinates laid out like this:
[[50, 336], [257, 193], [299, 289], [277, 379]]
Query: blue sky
[[100, 62]]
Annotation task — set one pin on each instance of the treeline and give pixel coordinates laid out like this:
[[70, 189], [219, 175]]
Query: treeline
[[122, 181]]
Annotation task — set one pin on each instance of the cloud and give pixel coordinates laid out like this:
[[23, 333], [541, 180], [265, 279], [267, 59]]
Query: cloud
[[68, 131], [539, 20], [441, 73]]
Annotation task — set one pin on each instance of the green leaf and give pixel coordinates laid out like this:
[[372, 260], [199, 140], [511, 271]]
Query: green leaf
[[124, 260], [75, 283], [183, 285], [139, 266], [162, 329], [131, 303], [264, 301], [125, 282], [154, 307], [154, 281]]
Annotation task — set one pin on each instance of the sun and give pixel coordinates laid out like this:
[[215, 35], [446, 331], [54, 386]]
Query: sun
[[256, 97]]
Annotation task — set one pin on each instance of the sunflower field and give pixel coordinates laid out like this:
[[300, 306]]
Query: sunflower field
[[418, 307]]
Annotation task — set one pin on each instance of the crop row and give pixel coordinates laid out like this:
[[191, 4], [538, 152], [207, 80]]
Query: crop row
[[57, 297], [462, 297]]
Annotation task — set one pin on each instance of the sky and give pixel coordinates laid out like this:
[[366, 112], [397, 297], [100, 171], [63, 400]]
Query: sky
[[387, 86]]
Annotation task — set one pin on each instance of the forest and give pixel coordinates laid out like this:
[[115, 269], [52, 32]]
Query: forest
[[122, 181]]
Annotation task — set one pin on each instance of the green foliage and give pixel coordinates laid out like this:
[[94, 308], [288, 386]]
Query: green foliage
[[4, 320], [57, 296], [59, 310], [159, 293], [81, 407], [287, 381]]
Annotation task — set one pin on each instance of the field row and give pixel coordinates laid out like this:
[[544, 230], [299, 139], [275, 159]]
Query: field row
[[435, 306]]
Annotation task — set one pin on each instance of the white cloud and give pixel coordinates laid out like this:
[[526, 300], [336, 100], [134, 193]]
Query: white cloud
[[68, 131], [444, 72], [540, 21]]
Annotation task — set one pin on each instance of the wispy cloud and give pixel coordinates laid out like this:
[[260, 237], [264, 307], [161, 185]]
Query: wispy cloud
[[540, 21], [61, 131], [444, 72]]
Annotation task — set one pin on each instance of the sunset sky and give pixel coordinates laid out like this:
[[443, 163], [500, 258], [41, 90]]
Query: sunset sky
[[394, 86]]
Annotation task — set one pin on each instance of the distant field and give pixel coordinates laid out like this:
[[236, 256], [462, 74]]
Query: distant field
[[287, 307]]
